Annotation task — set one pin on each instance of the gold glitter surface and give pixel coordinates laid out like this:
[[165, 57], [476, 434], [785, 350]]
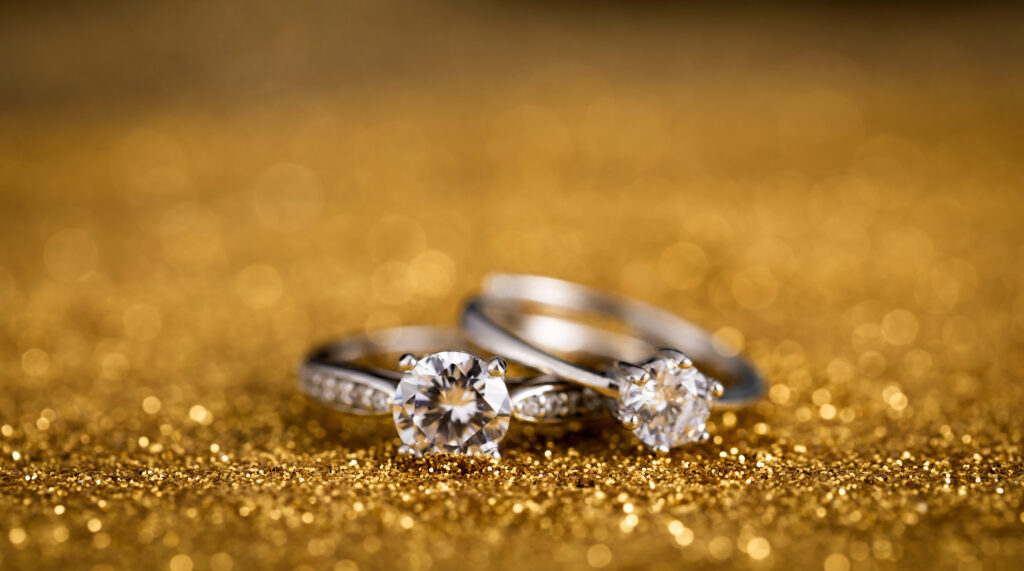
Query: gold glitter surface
[[192, 197]]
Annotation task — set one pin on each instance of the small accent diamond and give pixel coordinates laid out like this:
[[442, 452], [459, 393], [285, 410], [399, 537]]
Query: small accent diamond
[[560, 405], [348, 395]]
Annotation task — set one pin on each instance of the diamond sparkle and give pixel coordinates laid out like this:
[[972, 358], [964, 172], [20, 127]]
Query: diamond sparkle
[[671, 409], [448, 403]]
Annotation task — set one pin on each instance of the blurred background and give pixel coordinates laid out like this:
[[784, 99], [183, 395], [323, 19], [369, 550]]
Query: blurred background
[[191, 194]]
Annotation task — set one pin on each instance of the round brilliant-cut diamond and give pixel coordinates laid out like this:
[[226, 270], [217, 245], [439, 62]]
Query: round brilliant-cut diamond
[[671, 409], [449, 403]]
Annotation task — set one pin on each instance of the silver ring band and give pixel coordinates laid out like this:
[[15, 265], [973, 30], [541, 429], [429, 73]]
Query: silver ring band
[[503, 319], [654, 328], [335, 376]]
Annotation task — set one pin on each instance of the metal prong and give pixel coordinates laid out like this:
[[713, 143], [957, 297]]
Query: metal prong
[[630, 422], [704, 436], [407, 362], [496, 367], [632, 374], [717, 389], [640, 380], [676, 356]]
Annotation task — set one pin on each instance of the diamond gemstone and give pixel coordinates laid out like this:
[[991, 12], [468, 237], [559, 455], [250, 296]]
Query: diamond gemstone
[[448, 403], [671, 409]]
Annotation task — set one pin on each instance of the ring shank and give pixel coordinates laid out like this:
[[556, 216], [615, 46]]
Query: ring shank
[[517, 295], [333, 376], [328, 369], [411, 339]]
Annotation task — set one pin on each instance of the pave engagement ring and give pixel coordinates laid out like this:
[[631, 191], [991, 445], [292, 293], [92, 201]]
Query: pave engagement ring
[[658, 392], [448, 402]]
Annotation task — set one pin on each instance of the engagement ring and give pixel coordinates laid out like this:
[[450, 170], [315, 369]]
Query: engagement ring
[[659, 393], [449, 401]]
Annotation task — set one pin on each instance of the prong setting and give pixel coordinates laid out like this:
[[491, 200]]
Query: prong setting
[[675, 356], [497, 367], [631, 422], [436, 406], [633, 374], [717, 389], [641, 379], [407, 362]]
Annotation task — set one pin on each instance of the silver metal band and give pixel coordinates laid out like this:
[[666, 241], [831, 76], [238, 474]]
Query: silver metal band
[[334, 376], [503, 318]]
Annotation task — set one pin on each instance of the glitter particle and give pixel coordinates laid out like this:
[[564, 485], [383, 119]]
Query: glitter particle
[[853, 229]]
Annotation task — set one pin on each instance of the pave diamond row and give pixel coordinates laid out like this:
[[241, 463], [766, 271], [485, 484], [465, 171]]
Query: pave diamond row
[[560, 405], [346, 394]]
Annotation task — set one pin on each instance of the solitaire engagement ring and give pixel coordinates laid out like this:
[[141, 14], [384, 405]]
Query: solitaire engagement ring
[[448, 402], [659, 393]]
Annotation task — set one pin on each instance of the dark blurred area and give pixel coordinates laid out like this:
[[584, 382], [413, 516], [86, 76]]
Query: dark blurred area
[[59, 54]]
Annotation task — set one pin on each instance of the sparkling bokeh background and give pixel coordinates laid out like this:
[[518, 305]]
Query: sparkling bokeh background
[[193, 195]]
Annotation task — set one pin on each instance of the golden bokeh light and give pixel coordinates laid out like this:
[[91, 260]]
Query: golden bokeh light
[[833, 195]]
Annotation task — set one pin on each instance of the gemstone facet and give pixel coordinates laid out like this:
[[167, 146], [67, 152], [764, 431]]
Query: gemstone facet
[[449, 403], [671, 409]]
